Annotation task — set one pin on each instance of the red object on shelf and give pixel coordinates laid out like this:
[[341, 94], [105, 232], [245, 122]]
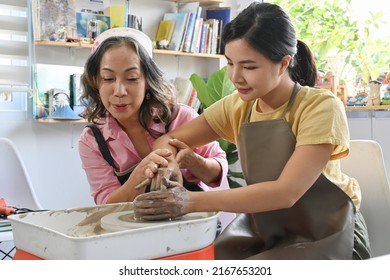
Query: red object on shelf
[[206, 253]]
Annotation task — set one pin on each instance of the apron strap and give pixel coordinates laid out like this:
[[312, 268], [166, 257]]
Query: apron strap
[[102, 144], [296, 89]]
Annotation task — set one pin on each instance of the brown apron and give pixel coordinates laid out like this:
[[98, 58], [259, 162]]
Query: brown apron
[[321, 223]]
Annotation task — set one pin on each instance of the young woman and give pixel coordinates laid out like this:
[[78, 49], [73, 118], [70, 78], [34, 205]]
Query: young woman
[[130, 104], [297, 203]]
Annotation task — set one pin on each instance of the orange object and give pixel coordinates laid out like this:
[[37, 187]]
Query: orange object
[[5, 209], [23, 255], [206, 253]]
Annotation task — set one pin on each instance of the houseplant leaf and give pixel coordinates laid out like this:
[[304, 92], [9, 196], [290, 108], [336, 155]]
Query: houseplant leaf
[[217, 86]]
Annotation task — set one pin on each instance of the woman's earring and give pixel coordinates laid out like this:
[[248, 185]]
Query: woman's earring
[[147, 95]]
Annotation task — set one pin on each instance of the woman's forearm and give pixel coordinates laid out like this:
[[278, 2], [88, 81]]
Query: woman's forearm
[[208, 170]]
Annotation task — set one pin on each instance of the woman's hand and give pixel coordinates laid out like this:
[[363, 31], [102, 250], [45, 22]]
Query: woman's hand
[[164, 179], [207, 170], [168, 203], [149, 166], [185, 157]]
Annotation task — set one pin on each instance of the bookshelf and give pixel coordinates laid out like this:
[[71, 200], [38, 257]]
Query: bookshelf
[[74, 53]]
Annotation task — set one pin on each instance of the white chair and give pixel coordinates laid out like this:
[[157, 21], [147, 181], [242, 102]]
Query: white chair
[[15, 188], [365, 163], [15, 184]]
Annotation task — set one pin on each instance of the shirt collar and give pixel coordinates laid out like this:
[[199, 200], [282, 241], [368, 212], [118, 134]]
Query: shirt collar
[[111, 128]]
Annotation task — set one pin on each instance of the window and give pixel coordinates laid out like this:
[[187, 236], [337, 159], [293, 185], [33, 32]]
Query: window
[[15, 61]]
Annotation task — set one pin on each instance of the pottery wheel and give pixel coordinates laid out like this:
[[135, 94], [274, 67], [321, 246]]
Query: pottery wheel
[[125, 220]]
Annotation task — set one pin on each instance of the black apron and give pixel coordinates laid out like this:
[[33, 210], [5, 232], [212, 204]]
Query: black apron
[[320, 225]]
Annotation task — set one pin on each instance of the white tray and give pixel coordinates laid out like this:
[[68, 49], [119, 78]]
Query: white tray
[[76, 234]]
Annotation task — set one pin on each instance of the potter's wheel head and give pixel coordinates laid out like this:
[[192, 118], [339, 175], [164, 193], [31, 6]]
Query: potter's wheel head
[[125, 220]]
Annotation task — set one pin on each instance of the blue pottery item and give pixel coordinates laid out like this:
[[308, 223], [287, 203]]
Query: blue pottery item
[[64, 112]]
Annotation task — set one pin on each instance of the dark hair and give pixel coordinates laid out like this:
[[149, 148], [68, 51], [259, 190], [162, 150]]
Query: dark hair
[[268, 29], [162, 94]]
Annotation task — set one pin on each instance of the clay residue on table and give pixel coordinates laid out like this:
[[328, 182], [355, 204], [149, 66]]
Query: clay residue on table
[[91, 224], [130, 218]]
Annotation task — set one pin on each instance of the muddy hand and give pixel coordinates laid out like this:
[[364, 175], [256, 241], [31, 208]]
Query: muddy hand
[[157, 181], [161, 205]]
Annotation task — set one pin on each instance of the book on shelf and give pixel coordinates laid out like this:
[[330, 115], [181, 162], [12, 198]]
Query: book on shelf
[[178, 32], [203, 37], [184, 88], [164, 33], [117, 16], [211, 44], [118, 11], [190, 44], [220, 13], [196, 36], [199, 11], [134, 21], [209, 36], [217, 36], [192, 98], [219, 48], [189, 32], [223, 15], [196, 104]]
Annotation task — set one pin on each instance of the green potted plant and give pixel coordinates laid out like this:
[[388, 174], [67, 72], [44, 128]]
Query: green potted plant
[[210, 90]]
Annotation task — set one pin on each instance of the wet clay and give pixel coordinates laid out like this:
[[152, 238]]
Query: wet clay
[[157, 184], [91, 224]]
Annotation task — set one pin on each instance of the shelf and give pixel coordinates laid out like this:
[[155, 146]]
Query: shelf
[[59, 121], [167, 52], [201, 2], [62, 44], [156, 51], [367, 108]]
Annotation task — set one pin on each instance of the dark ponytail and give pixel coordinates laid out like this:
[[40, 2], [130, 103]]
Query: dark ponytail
[[303, 68]]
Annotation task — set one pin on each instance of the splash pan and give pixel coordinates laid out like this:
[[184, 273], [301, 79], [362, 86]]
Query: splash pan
[[78, 234]]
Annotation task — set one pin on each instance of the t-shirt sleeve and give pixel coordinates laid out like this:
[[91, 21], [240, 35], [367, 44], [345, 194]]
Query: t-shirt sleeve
[[323, 120], [226, 116]]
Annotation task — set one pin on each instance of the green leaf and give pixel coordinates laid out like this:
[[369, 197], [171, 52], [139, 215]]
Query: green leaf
[[218, 85]]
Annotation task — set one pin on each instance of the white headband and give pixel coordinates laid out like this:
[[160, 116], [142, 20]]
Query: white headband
[[137, 35]]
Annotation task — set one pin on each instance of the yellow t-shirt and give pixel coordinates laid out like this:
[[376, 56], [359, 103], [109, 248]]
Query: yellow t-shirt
[[316, 116]]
